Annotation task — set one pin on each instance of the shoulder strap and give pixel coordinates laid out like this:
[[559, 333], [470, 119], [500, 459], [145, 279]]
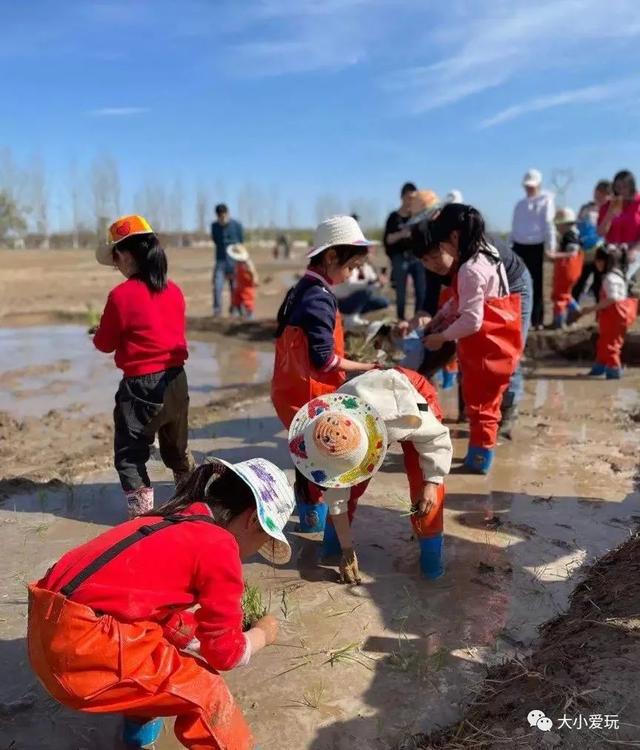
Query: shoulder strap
[[497, 261], [109, 554], [284, 313]]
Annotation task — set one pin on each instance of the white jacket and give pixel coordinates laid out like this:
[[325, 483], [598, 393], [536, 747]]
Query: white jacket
[[396, 400]]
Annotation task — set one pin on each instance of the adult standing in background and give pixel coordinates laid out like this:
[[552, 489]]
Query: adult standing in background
[[398, 246], [533, 232], [619, 218], [225, 231]]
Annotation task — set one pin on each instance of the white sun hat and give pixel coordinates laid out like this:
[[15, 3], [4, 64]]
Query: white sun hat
[[532, 178], [337, 441], [337, 230], [565, 216], [238, 252], [274, 502]]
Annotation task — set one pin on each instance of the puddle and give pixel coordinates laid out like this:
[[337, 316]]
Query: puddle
[[57, 367]]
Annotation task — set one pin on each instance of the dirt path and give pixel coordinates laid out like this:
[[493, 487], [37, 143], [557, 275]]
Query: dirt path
[[368, 666]]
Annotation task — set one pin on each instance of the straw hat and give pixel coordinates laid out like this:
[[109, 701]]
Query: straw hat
[[337, 230], [337, 441], [532, 178], [125, 226], [274, 502], [238, 252], [565, 216]]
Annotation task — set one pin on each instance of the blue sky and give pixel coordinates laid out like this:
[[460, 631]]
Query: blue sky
[[297, 106]]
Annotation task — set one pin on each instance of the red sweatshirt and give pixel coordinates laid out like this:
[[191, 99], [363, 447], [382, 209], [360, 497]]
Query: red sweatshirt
[[160, 577], [145, 329]]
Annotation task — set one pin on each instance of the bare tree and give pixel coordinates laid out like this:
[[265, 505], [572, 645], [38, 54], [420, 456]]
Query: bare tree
[[105, 186], [39, 200], [291, 214], [12, 221], [562, 179], [251, 206], [176, 210], [152, 198], [327, 204], [74, 197], [13, 181], [366, 210], [202, 209]]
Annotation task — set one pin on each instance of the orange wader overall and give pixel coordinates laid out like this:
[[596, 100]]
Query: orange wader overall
[[94, 663], [488, 359], [566, 272], [244, 288], [613, 323]]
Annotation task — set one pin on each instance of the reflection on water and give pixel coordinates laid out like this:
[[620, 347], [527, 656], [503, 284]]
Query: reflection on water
[[57, 367]]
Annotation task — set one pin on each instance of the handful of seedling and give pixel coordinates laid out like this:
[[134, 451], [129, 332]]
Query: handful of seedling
[[253, 607]]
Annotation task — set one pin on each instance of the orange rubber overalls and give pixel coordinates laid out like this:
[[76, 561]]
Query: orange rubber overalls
[[488, 359], [295, 380], [91, 662], [566, 272], [613, 323], [244, 287]]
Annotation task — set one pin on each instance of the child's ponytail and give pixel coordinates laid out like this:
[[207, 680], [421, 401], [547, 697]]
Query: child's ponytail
[[150, 258]]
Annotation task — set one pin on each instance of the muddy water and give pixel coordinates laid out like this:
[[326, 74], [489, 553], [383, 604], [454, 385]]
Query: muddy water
[[362, 666], [57, 366]]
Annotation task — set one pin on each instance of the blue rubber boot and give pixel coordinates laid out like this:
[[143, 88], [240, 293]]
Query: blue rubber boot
[[613, 373], [312, 517], [479, 460], [432, 556], [330, 542], [559, 321], [597, 370], [137, 735], [449, 379]]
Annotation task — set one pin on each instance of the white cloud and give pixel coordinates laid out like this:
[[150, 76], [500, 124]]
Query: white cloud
[[118, 111], [586, 95], [500, 40]]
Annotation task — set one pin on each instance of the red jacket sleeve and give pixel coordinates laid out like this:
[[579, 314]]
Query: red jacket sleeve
[[107, 336], [219, 587]]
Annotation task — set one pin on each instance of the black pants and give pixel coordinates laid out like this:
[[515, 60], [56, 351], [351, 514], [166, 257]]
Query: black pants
[[435, 282], [146, 405], [533, 257], [579, 288]]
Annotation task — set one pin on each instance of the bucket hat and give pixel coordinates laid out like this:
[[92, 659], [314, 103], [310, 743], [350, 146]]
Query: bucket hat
[[337, 441], [337, 230], [120, 229], [274, 502]]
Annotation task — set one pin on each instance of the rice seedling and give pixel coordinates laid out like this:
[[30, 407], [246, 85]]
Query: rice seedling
[[252, 606]]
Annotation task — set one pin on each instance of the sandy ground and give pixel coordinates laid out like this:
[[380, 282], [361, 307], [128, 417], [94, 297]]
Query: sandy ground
[[416, 651], [375, 666]]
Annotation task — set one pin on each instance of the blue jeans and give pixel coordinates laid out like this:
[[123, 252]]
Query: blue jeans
[[515, 391], [362, 301], [403, 266], [223, 271]]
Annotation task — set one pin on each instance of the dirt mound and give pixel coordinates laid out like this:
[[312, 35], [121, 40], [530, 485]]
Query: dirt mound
[[586, 665]]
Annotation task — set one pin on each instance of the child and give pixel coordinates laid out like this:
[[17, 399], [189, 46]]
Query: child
[[245, 281], [110, 622], [568, 261], [616, 311], [407, 410], [144, 324], [483, 317]]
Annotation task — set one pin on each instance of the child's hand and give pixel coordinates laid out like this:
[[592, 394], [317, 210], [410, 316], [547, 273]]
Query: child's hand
[[91, 331], [427, 499], [401, 328], [349, 571], [433, 341], [269, 626]]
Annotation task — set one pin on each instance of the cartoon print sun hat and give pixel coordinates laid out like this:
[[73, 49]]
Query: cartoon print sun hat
[[337, 230], [120, 229], [274, 501], [238, 252], [337, 441]]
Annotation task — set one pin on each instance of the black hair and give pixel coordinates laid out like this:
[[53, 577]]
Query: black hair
[[604, 186], [467, 220], [615, 258], [626, 176], [222, 208], [344, 253], [227, 495], [408, 187], [150, 259]]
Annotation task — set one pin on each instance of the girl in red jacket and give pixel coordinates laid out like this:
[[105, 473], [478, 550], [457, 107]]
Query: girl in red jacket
[[111, 627], [144, 324], [245, 282]]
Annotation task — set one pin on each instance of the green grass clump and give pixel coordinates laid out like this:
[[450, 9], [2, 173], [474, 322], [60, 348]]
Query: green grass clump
[[253, 607]]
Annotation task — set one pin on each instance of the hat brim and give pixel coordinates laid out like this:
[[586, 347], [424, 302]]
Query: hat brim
[[426, 213], [327, 476], [531, 183], [321, 248], [237, 255], [277, 550], [104, 254]]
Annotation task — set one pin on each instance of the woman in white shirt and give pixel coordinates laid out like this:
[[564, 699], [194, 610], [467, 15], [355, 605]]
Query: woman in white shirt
[[533, 232]]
